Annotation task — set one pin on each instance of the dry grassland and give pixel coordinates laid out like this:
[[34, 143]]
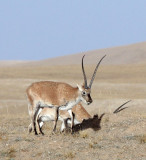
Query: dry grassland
[[121, 136]]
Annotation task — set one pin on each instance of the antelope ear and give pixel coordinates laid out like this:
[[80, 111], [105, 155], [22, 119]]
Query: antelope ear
[[80, 87]]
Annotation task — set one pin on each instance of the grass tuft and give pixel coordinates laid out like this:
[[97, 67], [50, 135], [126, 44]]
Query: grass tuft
[[142, 139], [69, 155], [84, 134], [91, 145], [1, 138], [10, 153]]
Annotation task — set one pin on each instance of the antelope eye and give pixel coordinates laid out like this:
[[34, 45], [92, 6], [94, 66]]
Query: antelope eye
[[83, 93]]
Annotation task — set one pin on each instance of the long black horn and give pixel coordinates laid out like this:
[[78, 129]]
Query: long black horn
[[94, 74], [85, 79], [120, 108]]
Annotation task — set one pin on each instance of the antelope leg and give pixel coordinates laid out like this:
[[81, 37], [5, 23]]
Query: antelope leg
[[56, 118]]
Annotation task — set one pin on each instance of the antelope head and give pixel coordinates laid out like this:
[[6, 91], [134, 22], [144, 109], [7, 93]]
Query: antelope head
[[85, 89]]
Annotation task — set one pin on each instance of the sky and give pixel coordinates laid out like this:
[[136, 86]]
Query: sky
[[36, 30]]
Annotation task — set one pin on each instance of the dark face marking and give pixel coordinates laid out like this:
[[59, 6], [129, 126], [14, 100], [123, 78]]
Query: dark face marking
[[86, 96]]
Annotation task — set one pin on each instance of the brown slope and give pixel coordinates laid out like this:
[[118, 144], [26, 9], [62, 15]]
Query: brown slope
[[130, 54], [7, 63]]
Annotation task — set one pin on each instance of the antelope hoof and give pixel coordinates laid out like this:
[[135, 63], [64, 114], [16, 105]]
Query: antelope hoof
[[54, 130], [72, 130], [42, 133], [36, 134], [53, 133]]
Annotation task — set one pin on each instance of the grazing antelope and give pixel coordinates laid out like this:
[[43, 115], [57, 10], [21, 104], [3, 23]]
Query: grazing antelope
[[83, 120], [58, 95], [48, 114]]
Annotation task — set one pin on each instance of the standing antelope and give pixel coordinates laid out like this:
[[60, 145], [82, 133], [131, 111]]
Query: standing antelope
[[58, 95]]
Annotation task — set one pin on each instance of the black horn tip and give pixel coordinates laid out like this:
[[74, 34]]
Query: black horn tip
[[128, 101], [104, 56], [83, 56]]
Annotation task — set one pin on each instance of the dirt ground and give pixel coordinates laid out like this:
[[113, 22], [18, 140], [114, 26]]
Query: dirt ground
[[121, 136]]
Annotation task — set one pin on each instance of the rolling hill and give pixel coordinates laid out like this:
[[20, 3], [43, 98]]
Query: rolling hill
[[130, 54]]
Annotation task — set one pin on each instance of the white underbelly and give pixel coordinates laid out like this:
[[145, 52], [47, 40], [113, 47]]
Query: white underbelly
[[46, 118], [75, 121], [69, 105]]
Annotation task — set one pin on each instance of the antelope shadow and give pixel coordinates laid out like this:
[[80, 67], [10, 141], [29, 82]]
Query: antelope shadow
[[95, 122]]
